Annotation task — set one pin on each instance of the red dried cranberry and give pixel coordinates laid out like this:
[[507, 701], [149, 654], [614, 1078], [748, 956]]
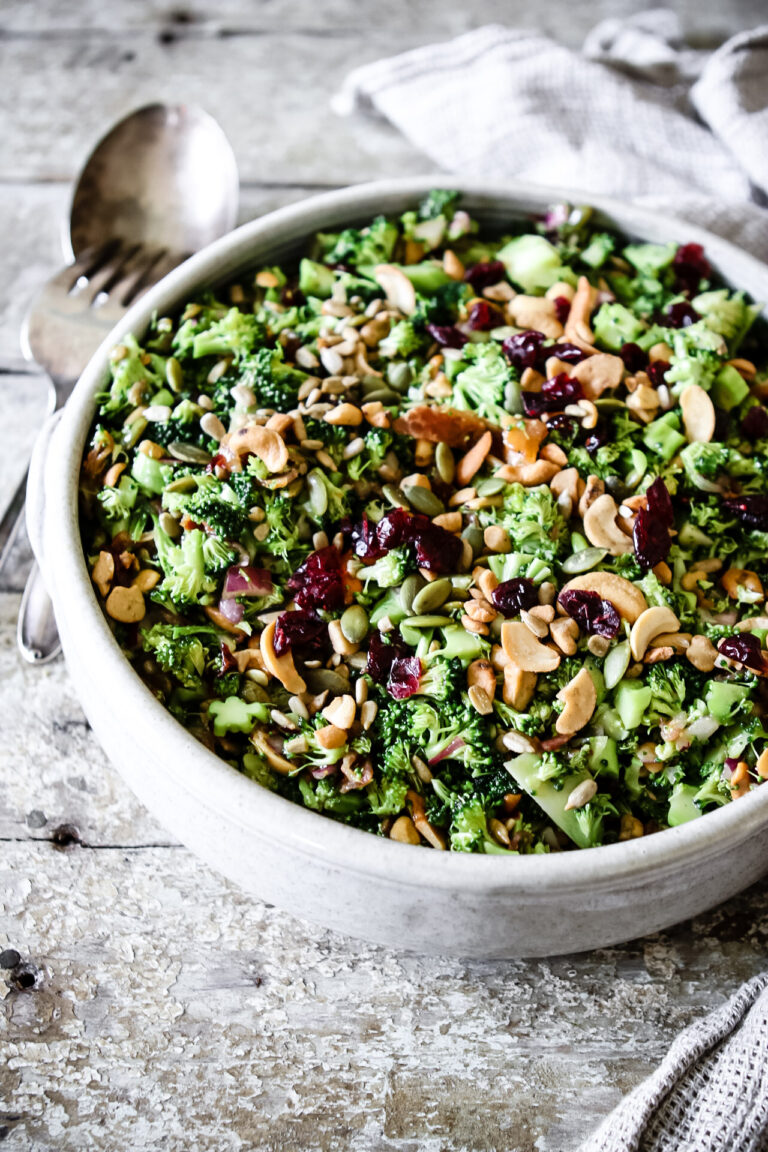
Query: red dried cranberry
[[679, 315], [593, 614], [744, 649], [562, 423], [651, 539], [482, 275], [524, 349], [364, 540], [513, 596], [633, 356], [404, 677], [228, 662], [392, 665], [690, 267], [660, 502], [436, 548], [755, 424], [566, 352], [554, 395], [752, 511], [446, 335], [657, 371], [319, 582], [300, 630], [484, 316], [597, 438], [562, 308]]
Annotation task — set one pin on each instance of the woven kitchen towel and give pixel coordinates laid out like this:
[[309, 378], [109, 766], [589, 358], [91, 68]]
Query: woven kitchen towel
[[635, 115], [709, 1094]]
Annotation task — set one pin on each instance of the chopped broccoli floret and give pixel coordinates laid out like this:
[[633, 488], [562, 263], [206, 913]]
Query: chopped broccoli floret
[[482, 386]]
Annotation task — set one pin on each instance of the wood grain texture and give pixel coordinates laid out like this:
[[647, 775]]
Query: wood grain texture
[[154, 1005]]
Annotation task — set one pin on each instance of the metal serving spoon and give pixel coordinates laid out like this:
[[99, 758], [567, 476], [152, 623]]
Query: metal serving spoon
[[161, 184]]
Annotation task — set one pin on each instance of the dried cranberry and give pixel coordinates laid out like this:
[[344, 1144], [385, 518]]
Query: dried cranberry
[[516, 595], [446, 335], [660, 502], [566, 352], [633, 356], [755, 424], [554, 395], [482, 275], [651, 539], [484, 316], [228, 662], [744, 649], [436, 549], [593, 614], [562, 308], [690, 267], [679, 315], [319, 582], [597, 438], [393, 666], [365, 541], [657, 371], [562, 423], [752, 511], [525, 349], [300, 630]]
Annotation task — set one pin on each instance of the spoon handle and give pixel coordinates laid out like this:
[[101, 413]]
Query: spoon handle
[[12, 520], [36, 634]]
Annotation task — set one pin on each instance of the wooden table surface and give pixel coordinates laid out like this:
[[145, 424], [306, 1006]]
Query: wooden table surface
[[146, 1003]]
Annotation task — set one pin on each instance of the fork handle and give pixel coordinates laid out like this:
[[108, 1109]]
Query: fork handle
[[12, 520]]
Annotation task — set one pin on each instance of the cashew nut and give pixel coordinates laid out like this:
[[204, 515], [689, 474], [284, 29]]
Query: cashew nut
[[524, 649], [577, 329], [103, 572], [648, 626], [480, 674], [398, 289], [601, 529], [698, 414], [628, 600], [594, 487], [341, 712], [529, 475], [598, 373], [261, 743], [519, 686], [331, 736], [741, 578], [282, 667], [702, 653], [565, 633], [537, 313], [580, 699], [125, 605], [265, 443]]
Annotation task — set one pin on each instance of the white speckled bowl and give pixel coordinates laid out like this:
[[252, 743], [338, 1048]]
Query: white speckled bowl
[[351, 881]]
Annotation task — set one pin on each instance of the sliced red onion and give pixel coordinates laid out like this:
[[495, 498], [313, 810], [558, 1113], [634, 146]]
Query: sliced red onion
[[449, 750], [243, 580], [232, 610], [729, 767]]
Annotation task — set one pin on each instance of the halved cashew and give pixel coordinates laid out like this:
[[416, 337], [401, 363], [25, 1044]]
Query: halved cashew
[[561, 289], [598, 373], [265, 443], [103, 572], [341, 712], [680, 641], [529, 475], [331, 736], [595, 487], [741, 578], [398, 289], [601, 529], [628, 600], [281, 667], [419, 817], [519, 686], [565, 633], [648, 626], [126, 605], [554, 454], [524, 649], [580, 699], [577, 329], [480, 674], [698, 414], [535, 312], [261, 743], [702, 653], [472, 461], [566, 482]]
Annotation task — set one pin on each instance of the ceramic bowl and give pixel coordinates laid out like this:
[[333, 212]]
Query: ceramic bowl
[[345, 879]]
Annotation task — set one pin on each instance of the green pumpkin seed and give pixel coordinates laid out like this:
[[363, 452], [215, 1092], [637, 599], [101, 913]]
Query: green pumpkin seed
[[183, 484], [409, 589], [174, 374], [445, 463], [609, 404], [320, 679], [188, 453], [394, 496], [474, 536], [385, 395], [584, 560], [425, 622], [493, 486], [354, 624], [371, 384], [423, 500], [399, 377], [318, 494], [616, 664], [431, 596]]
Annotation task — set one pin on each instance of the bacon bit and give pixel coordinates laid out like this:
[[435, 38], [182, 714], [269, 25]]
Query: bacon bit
[[554, 743], [353, 781]]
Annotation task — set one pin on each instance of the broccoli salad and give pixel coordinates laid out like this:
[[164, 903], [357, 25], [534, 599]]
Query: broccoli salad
[[454, 537]]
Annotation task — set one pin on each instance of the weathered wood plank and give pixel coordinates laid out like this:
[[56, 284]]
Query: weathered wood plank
[[172, 1010]]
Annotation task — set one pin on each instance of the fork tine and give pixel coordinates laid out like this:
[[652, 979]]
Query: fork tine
[[136, 273], [83, 268], [102, 278]]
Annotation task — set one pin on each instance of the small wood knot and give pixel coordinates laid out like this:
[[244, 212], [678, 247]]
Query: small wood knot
[[65, 836]]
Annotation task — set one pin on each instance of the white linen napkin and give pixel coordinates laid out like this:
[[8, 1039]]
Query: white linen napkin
[[634, 115]]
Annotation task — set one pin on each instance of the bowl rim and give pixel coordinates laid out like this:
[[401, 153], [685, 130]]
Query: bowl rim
[[209, 780]]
